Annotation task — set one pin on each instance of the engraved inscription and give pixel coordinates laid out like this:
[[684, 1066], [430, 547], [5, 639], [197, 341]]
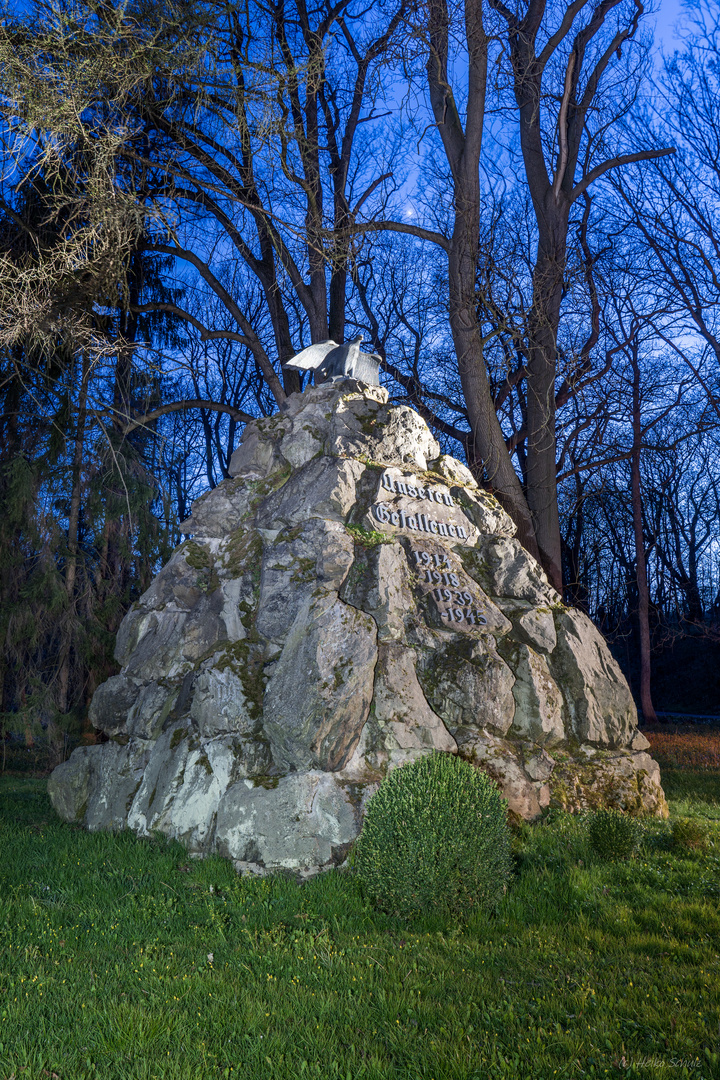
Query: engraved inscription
[[418, 522], [403, 502], [408, 485], [455, 604]]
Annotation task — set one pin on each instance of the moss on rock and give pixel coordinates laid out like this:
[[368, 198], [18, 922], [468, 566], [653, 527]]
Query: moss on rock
[[245, 660], [196, 555], [607, 780]]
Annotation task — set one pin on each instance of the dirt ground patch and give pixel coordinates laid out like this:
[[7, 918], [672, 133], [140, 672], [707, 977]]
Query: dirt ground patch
[[685, 746]]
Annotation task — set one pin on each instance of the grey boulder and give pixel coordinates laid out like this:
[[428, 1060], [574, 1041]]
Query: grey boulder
[[348, 601]]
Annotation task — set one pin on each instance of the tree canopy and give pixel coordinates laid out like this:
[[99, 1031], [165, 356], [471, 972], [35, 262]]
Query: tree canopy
[[514, 204]]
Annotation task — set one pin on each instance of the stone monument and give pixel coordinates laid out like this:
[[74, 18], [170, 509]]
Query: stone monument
[[349, 600]]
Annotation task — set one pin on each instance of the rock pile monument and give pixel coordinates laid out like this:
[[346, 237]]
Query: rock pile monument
[[349, 600]]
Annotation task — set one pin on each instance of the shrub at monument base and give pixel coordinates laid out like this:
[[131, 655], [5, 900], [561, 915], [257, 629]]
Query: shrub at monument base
[[435, 836], [614, 835], [689, 834]]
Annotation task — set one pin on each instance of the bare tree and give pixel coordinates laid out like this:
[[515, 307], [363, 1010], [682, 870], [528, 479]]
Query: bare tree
[[673, 206], [562, 60], [562, 132], [270, 157]]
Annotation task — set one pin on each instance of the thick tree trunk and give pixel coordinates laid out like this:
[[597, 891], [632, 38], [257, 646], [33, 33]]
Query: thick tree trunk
[[462, 148], [551, 143], [646, 704], [541, 442], [488, 441], [338, 286]]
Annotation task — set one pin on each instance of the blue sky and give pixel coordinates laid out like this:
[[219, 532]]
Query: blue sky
[[666, 18], [665, 21]]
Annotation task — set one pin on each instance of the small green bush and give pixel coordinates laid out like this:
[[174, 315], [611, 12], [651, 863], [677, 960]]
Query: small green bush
[[689, 834], [614, 835], [435, 838]]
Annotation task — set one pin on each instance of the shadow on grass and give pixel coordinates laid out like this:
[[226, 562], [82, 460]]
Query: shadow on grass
[[24, 801], [693, 791]]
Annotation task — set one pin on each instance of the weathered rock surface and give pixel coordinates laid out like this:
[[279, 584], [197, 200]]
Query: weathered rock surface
[[349, 600], [607, 716]]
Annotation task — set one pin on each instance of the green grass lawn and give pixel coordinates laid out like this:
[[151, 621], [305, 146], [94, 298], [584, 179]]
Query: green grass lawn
[[123, 958]]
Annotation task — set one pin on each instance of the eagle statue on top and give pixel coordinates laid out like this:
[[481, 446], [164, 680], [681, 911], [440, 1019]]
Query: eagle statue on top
[[329, 361]]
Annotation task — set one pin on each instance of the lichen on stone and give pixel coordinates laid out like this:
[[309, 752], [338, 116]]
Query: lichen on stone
[[242, 552], [262, 488], [267, 782], [196, 555], [200, 559], [245, 659], [368, 537], [205, 762], [177, 737]]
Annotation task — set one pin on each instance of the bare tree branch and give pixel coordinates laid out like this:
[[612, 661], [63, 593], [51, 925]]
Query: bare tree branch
[[614, 163], [181, 406], [401, 227]]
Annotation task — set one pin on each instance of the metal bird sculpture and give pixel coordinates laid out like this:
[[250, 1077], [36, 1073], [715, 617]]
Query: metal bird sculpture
[[332, 361]]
